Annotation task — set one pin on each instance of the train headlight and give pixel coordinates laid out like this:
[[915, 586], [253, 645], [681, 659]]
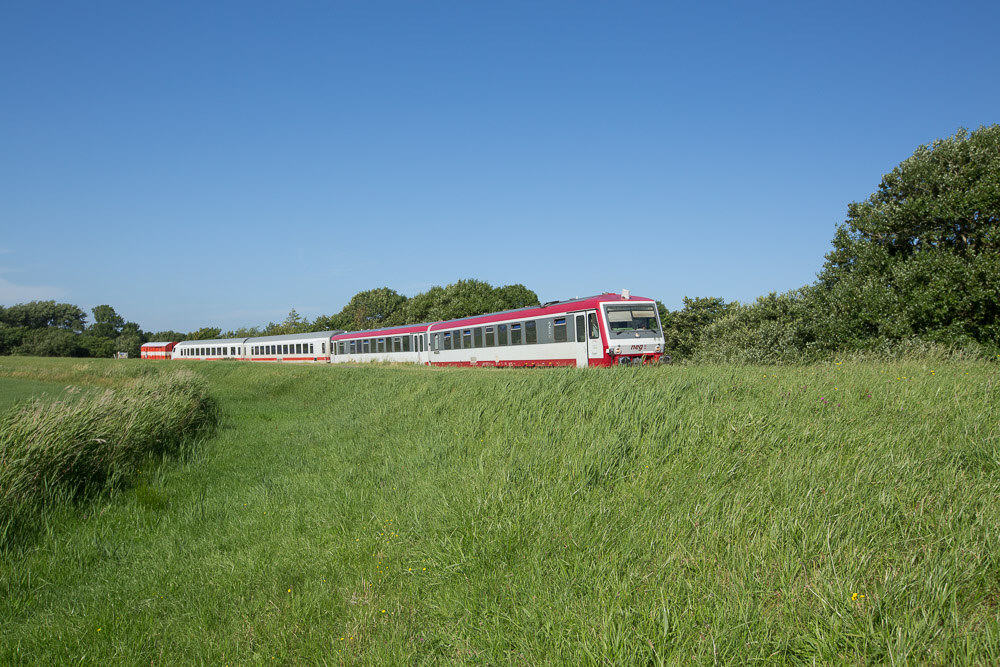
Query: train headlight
[[618, 350], [657, 348]]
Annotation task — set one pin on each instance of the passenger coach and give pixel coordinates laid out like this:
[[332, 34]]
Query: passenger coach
[[594, 331], [289, 348], [314, 346]]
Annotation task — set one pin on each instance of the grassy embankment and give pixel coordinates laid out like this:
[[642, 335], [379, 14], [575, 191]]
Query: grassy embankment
[[399, 515]]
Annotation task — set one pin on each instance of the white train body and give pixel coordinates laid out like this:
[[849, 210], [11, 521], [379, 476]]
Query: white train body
[[305, 347], [594, 331], [601, 330]]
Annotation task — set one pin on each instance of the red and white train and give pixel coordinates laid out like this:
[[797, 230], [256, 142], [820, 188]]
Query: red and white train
[[600, 330], [594, 331]]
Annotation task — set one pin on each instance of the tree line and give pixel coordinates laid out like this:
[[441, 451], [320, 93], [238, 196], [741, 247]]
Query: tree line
[[916, 266], [50, 329]]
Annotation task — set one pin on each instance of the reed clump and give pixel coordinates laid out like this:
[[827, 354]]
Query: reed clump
[[56, 451]]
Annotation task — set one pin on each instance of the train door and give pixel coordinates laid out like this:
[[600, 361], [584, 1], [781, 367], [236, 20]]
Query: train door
[[595, 348], [588, 338], [423, 355], [580, 331]]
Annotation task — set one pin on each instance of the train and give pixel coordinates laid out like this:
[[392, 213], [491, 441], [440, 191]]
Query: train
[[603, 330]]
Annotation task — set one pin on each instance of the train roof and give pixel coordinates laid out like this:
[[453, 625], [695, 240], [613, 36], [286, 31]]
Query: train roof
[[385, 331], [159, 344], [299, 336], [214, 341]]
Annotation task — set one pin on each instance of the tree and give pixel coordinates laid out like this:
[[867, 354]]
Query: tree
[[510, 297], [42, 314], [51, 342], [242, 332], [371, 309], [165, 336], [423, 306], [96, 346], [129, 340], [205, 333], [920, 256], [107, 323], [682, 329]]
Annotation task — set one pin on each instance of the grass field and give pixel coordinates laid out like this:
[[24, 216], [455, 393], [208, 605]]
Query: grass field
[[14, 390], [394, 515]]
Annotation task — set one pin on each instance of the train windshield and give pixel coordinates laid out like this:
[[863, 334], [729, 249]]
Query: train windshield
[[638, 317]]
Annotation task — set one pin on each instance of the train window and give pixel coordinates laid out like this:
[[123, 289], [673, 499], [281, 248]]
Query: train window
[[397, 344], [350, 345], [501, 334], [380, 344], [515, 334], [477, 336], [491, 337], [559, 330], [405, 342], [530, 332], [467, 338], [595, 331], [456, 339], [447, 340], [581, 331]]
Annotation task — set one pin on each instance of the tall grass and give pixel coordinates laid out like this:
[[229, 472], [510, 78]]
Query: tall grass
[[829, 514], [56, 450]]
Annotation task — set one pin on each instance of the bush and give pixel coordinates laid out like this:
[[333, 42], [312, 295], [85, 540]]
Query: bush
[[54, 451]]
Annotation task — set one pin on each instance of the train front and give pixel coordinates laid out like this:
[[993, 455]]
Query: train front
[[634, 333]]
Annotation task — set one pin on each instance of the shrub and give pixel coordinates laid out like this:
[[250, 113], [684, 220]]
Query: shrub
[[55, 451]]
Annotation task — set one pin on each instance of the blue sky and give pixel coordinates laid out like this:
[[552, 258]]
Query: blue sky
[[217, 164]]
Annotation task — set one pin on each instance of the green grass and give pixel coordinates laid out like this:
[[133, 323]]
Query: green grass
[[56, 451], [396, 515], [15, 390]]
